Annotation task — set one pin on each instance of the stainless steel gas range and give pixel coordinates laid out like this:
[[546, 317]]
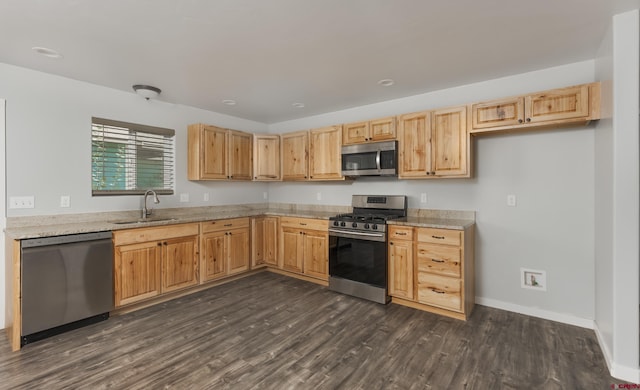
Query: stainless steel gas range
[[358, 246]]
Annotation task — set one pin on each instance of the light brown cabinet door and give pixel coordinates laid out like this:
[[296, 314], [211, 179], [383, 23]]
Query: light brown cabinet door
[[212, 155], [137, 272], [414, 145], [401, 269], [295, 156], [382, 129], [316, 254], [325, 162], [240, 155], [449, 142], [237, 250], [257, 241], [355, 133], [213, 259], [266, 157], [292, 245], [557, 104], [179, 263], [503, 112], [271, 241]]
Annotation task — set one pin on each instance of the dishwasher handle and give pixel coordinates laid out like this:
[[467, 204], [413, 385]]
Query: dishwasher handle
[[66, 239]]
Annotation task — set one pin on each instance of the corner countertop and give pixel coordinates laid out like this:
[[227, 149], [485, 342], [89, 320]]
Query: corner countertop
[[20, 228]]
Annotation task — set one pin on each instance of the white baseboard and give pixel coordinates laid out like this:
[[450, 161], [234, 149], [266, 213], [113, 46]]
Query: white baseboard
[[535, 312], [628, 374]]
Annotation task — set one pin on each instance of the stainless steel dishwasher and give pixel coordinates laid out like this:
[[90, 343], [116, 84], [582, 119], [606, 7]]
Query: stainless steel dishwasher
[[66, 283]]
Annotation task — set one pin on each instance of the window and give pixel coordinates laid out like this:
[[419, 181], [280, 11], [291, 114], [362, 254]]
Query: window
[[128, 158]]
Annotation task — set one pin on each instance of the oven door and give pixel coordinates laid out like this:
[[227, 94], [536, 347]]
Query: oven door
[[358, 256]]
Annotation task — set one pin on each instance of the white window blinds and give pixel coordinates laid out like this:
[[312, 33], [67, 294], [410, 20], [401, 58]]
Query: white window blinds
[[129, 158]]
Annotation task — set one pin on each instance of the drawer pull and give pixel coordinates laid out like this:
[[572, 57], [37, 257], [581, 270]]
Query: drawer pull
[[437, 291], [401, 233], [438, 237], [437, 261], [303, 224], [228, 224]]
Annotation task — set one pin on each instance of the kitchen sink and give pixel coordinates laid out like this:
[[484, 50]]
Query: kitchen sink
[[143, 221]]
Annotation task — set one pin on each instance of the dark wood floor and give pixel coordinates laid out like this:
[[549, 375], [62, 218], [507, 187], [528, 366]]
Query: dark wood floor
[[268, 331]]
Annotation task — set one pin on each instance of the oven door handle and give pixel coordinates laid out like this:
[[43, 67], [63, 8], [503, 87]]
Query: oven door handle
[[378, 159], [356, 235]]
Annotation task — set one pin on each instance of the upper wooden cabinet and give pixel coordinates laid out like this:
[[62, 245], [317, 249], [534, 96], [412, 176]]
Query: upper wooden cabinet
[[218, 154], [312, 155], [295, 156], [266, 158], [325, 160], [433, 144], [371, 131], [564, 106]]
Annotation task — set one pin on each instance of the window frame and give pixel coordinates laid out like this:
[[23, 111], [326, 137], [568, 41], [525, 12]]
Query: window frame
[[131, 144]]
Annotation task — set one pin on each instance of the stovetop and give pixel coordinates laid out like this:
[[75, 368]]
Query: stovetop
[[371, 213]]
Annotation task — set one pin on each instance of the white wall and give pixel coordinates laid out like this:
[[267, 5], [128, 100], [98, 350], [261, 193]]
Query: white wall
[[551, 172], [49, 143]]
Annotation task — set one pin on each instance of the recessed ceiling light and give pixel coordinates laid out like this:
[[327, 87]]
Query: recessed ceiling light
[[229, 102], [298, 105], [386, 82], [46, 52]]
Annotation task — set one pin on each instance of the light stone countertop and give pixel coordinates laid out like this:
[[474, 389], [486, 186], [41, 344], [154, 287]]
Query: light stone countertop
[[19, 228]]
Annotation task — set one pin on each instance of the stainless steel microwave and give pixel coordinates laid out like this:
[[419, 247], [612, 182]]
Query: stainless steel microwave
[[371, 159]]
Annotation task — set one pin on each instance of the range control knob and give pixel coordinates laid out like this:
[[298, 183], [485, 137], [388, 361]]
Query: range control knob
[[336, 223], [343, 224], [366, 226], [374, 227], [355, 225]]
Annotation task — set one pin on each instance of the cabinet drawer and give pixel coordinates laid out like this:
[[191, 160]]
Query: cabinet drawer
[[400, 232], [224, 224], [133, 236], [304, 223], [440, 291], [443, 260], [440, 236]]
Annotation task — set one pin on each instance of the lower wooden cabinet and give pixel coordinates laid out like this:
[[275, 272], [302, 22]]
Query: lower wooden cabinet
[[432, 269], [304, 246], [225, 248], [264, 241], [152, 261]]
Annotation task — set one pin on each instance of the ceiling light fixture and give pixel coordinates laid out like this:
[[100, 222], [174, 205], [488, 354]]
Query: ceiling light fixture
[[298, 105], [46, 52], [386, 82], [147, 91], [229, 102]]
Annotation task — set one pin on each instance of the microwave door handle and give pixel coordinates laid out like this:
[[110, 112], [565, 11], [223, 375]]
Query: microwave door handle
[[378, 159]]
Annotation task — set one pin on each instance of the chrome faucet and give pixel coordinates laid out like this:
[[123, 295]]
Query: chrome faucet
[[145, 211]]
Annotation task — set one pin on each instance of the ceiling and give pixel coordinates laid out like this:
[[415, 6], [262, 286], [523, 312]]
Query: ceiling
[[327, 54]]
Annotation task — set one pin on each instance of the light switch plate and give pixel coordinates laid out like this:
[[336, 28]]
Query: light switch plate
[[205, 197], [423, 198], [65, 201], [319, 196], [511, 200]]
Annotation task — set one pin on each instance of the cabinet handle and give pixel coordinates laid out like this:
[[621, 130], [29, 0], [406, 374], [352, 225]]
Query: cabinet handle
[[528, 119], [401, 233], [255, 178], [303, 224], [226, 233], [228, 224], [391, 243], [437, 261], [520, 121], [305, 177], [433, 173], [230, 233], [165, 243], [159, 244], [438, 237], [428, 173], [437, 291]]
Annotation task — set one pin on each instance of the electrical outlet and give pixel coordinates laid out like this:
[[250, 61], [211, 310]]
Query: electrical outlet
[[423, 198], [205, 197], [65, 201], [21, 202], [319, 196], [511, 200], [184, 197]]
